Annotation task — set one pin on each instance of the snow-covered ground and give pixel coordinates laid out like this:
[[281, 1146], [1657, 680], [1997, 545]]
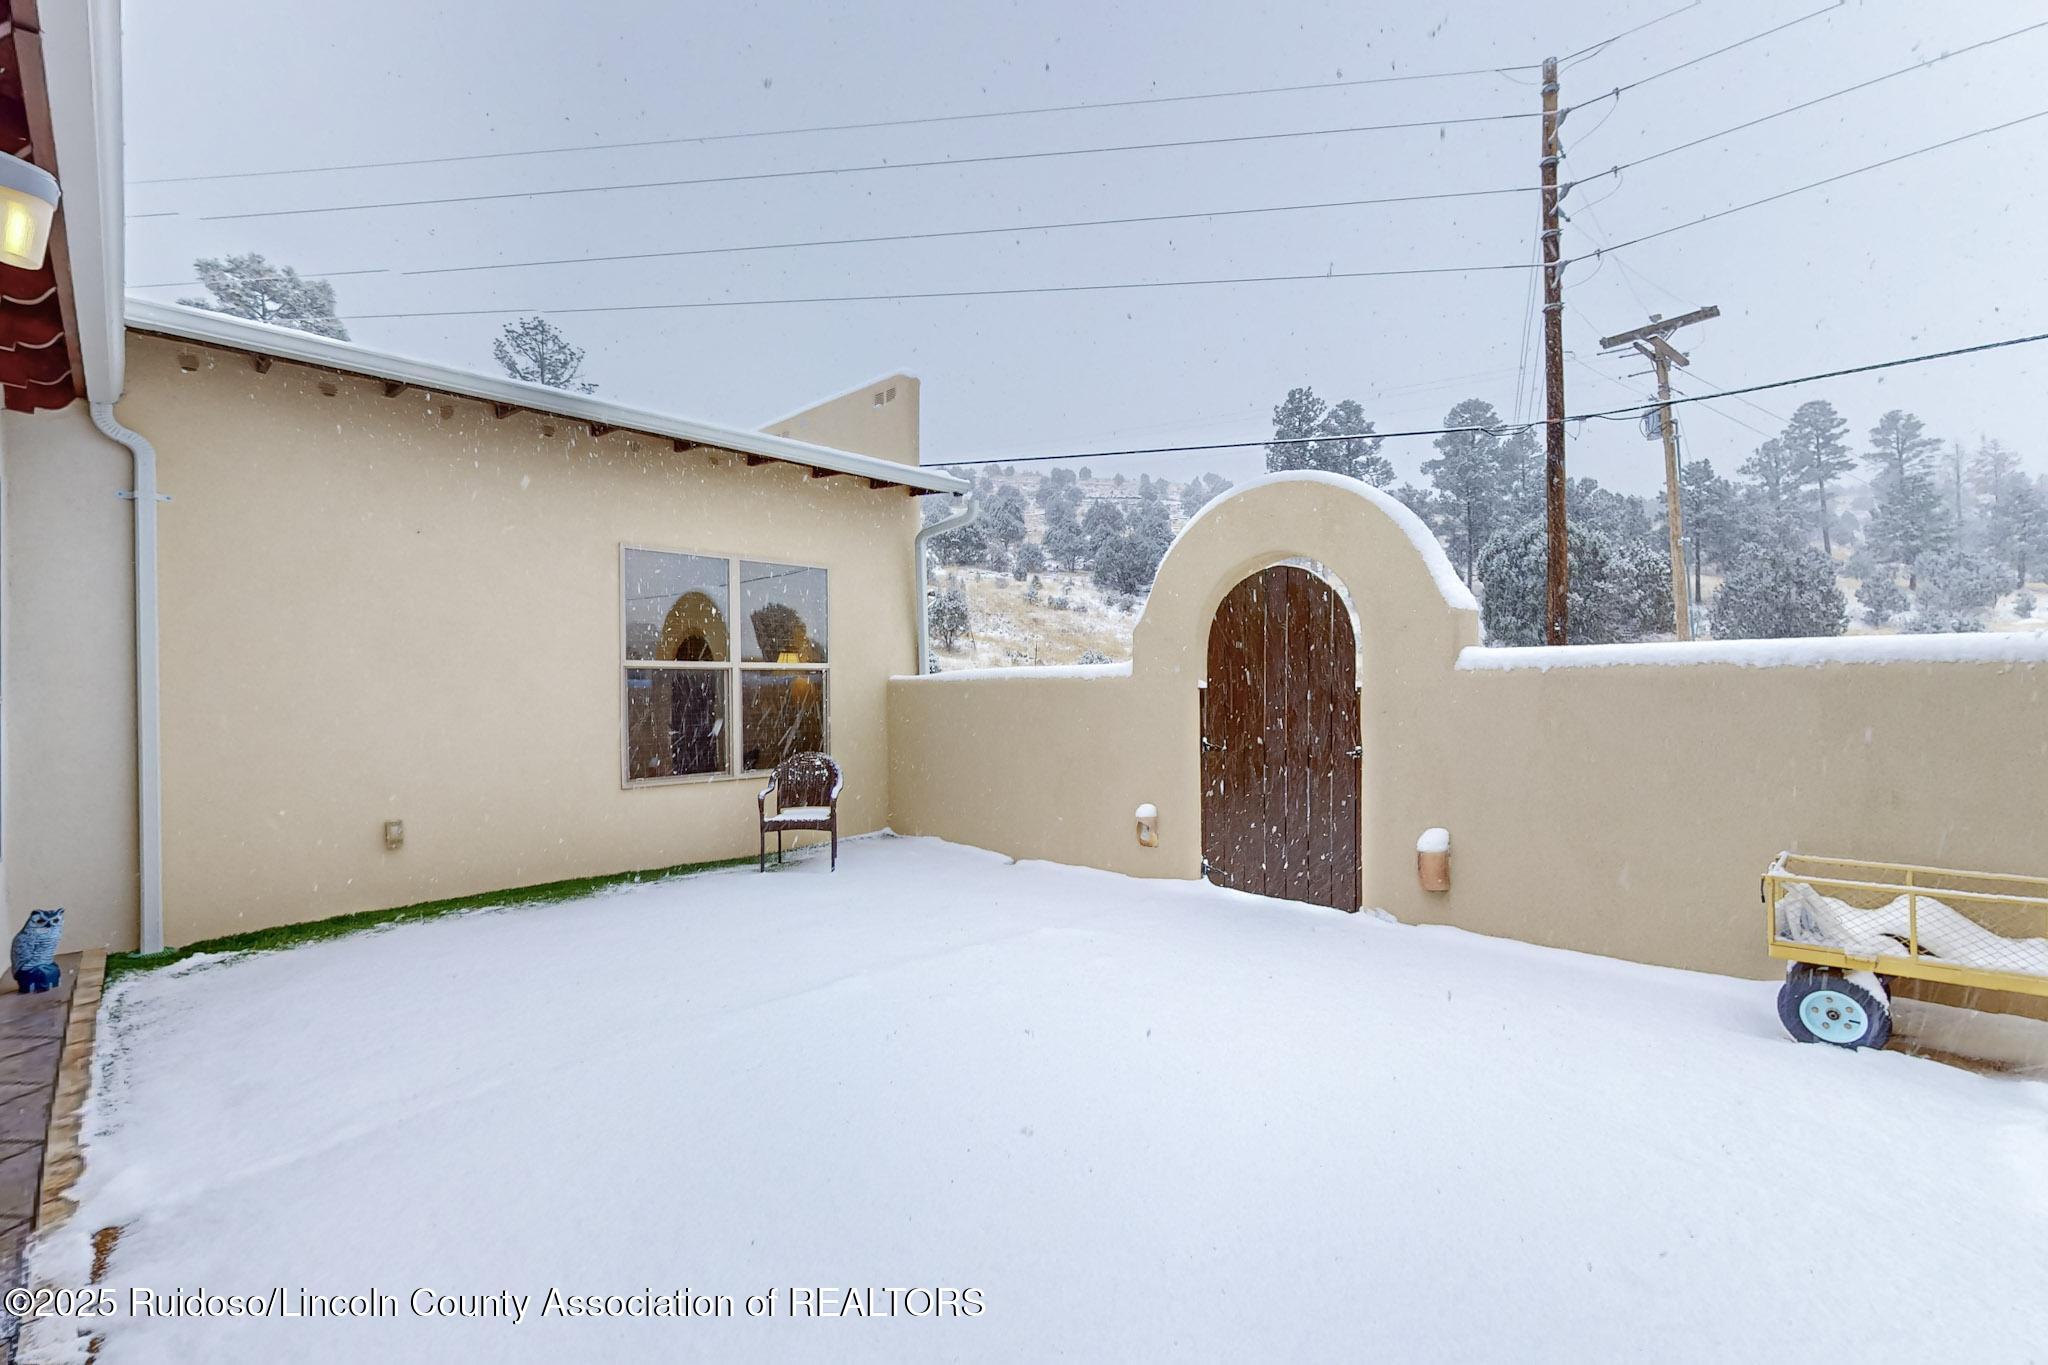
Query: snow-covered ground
[[1143, 1119]]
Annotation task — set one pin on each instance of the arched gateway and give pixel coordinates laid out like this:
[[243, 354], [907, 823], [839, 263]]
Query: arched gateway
[[1280, 741]]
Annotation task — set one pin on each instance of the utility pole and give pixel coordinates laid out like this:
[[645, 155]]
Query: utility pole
[[1555, 584], [1650, 341]]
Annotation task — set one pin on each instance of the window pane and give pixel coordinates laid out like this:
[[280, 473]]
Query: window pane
[[676, 607], [675, 721], [784, 608], [785, 714]]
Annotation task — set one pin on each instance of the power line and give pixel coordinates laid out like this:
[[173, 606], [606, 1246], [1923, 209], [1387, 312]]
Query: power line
[[1596, 254], [1609, 414], [837, 127], [1739, 42], [1816, 184], [1592, 48], [873, 166], [977, 232], [949, 293], [1818, 99], [1180, 217]]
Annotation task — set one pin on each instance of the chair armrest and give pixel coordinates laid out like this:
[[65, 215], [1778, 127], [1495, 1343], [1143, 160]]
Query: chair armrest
[[761, 798], [832, 798]]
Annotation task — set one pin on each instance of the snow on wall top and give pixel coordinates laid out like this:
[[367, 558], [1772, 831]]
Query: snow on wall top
[[2027, 647], [1116, 670], [1452, 588]]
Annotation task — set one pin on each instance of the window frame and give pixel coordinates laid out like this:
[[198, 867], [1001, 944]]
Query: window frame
[[732, 667]]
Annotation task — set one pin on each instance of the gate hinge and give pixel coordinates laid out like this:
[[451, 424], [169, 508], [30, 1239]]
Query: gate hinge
[[1208, 868], [1355, 751], [1210, 746]]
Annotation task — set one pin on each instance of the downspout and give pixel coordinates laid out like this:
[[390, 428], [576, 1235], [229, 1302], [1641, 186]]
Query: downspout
[[148, 740], [924, 602]]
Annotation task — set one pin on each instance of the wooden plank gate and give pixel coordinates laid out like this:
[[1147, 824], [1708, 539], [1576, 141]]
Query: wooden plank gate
[[1280, 742]]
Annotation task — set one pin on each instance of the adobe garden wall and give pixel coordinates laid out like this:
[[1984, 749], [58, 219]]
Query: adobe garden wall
[[1616, 800]]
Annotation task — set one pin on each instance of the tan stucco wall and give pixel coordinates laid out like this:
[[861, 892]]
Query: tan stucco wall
[[374, 611], [855, 421], [67, 816], [1626, 810]]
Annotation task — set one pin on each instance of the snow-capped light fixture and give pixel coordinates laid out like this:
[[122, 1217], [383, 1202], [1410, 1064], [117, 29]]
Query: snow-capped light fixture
[[1148, 825], [1433, 859], [28, 196]]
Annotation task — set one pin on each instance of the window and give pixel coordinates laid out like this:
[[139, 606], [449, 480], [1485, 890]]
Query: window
[[687, 678]]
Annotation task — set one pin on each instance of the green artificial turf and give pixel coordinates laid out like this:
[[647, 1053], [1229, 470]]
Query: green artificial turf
[[314, 931]]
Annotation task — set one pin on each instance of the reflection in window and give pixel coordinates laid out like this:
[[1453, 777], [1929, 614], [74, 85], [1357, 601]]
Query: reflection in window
[[782, 714], [676, 607], [684, 678], [675, 721], [784, 609]]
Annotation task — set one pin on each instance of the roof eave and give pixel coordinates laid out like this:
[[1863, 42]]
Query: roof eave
[[285, 343]]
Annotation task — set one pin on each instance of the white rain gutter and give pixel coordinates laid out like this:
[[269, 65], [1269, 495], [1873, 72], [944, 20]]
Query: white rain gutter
[[149, 787], [954, 522]]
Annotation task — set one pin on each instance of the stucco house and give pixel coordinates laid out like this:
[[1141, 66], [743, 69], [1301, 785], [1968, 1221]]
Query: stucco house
[[399, 632]]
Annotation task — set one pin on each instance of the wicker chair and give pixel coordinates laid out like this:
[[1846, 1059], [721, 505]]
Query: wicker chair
[[806, 789]]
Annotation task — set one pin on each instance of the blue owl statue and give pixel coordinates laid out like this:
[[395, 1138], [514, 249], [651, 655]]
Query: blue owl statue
[[34, 955]]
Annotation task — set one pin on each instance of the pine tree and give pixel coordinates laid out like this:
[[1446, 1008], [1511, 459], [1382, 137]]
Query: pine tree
[[1100, 524], [1467, 477], [1909, 519], [1813, 439], [1712, 518], [2013, 517], [1298, 415], [1618, 589], [949, 616], [1003, 520], [1358, 457], [1881, 596], [1779, 591], [1200, 490], [1956, 589], [248, 286], [534, 351]]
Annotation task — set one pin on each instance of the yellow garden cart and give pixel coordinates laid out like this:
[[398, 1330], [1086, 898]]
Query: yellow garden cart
[[1844, 926]]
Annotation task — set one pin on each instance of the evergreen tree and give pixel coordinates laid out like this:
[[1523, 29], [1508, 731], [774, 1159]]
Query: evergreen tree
[[534, 351], [964, 545], [1466, 473], [1957, 588], [1882, 597], [248, 286], [1712, 519], [2013, 519], [1359, 456], [1030, 559], [1200, 490], [1299, 414], [1618, 589], [1100, 524], [949, 616], [1779, 591], [1065, 544], [1003, 520], [1909, 519], [1813, 439]]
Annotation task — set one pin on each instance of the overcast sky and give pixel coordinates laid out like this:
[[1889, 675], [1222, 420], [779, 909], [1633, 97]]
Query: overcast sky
[[1938, 251]]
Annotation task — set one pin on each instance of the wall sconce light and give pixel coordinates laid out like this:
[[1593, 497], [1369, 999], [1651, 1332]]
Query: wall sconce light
[[1148, 825], [1433, 859], [28, 196]]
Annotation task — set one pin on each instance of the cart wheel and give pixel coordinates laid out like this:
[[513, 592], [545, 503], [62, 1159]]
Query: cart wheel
[[1818, 1005]]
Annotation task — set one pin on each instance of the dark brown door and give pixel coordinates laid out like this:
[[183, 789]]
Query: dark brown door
[[1280, 755]]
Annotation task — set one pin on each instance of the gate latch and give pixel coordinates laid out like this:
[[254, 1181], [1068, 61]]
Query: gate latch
[[1355, 751], [1208, 868]]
